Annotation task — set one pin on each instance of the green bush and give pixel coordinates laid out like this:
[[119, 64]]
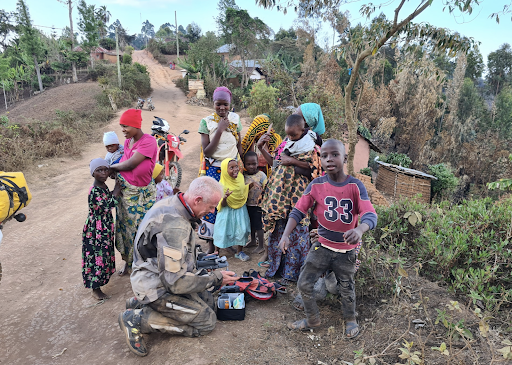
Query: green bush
[[127, 59], [399, 159], [466, 246], [366, 171], [262, 99], [446, 181]]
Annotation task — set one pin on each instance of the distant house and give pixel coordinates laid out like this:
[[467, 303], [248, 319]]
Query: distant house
[[252, 68], [363, 147], [100, 53], [224, 52]]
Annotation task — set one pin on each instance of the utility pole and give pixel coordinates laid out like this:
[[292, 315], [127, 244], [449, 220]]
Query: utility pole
[[73, 64], [177, 39], [5, 98], [117, 56]]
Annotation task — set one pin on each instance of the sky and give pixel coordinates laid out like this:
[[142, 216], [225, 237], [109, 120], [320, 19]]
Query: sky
[[131, 13]]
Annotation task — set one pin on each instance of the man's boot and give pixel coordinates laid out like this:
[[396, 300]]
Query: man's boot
[[133, 303], [129, 322]]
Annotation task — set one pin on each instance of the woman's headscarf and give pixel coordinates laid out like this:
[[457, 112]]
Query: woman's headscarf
[[239, 190], [222, 93], [312, 113]]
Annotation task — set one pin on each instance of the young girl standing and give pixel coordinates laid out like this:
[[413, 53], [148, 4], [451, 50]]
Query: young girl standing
[[232, 225], [98, 256]]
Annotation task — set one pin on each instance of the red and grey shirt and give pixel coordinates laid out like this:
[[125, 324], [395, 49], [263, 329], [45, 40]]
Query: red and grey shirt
[[338, 207]]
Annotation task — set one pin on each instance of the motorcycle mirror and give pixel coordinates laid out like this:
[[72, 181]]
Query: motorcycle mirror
[[183, 139], [185, 131]]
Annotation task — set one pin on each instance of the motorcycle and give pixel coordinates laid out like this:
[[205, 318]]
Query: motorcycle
[[150, 104], [140, 103], [169, 152]]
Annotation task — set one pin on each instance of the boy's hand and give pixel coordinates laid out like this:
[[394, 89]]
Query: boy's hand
[[284, 244], [175, 191], [313, 236], [353, 236], [264, 139]]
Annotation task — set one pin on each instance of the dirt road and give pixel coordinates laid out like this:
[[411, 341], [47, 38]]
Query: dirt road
[[44, 306]]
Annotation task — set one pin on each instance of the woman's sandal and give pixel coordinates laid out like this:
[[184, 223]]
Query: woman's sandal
[[301, 325], [349, 330], [284, 282], [264, 264]]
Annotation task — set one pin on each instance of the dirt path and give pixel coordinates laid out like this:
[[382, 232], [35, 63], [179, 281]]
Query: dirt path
[[44, 306]]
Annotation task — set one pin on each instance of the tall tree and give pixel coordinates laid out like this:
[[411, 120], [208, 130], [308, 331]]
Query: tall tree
[[499, 65], [30, 40], [6, 27], [193, 32], [69, 3], [244, 33], [475, 65], [89, 25], [104, 17], [148, 30]]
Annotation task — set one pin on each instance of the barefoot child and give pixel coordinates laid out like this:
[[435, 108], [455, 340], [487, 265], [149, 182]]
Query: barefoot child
[[232, 226], [259, 179], [98, 257], [163, 188], [339, 201], [114, 150]]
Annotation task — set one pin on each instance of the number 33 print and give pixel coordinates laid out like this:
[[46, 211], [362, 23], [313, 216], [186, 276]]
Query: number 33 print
[[332, 214]]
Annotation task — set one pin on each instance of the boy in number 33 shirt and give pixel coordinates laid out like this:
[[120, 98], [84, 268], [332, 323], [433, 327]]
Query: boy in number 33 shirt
[[339, 201]]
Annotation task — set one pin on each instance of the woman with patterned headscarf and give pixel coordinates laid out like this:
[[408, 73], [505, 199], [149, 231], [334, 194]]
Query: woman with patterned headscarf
[[259, 126], [220, 139]]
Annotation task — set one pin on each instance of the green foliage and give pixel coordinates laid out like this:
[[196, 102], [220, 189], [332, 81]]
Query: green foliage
[[30, 40], [446, 181], [467, 246], [502, 184], [262, 99], [366, 171], [503, 118], [499, 65], [399, 159], [129, 50], [127, 59], [89, 25], [108, 43]]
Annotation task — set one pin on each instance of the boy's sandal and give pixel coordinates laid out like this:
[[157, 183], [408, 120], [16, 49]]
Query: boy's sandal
[[301, 325], [352, 330], [264, 264], [297, 303], [242, 256]]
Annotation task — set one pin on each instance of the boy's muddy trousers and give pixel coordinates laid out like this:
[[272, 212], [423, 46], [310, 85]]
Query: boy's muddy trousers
[[184, 315], [318, 261]]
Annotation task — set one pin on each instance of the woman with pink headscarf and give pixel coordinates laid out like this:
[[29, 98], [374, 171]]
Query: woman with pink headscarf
[[220, 139]]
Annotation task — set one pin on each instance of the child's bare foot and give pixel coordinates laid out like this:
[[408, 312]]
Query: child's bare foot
[[263, 258], [251, 244], [125, 270], [98, 294], [259, 250]]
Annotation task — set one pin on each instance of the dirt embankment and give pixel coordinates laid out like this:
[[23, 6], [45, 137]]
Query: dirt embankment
[[78, 97]]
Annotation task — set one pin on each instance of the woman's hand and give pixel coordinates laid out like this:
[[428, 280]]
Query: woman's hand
[[287, 160], [284, 244], [223, 124], [264, 139]]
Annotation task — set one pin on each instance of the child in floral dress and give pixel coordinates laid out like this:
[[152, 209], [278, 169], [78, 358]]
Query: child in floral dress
[[98, 256]]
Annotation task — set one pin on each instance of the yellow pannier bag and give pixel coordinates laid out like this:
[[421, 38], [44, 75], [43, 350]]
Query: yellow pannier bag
[[14, 194]]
